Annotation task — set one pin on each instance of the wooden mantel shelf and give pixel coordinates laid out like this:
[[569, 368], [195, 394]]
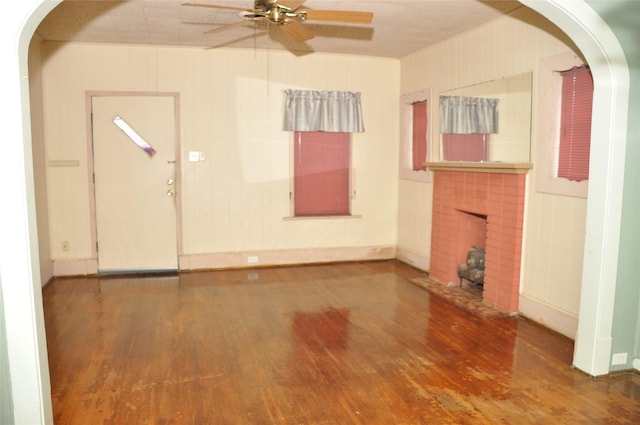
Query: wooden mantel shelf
[[481, 167]]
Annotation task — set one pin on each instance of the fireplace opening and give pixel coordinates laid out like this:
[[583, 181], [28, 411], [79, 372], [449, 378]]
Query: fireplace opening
[[471, 243], [472, 270]]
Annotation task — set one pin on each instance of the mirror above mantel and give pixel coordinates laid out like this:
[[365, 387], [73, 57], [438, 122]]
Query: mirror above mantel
[[511, 142]]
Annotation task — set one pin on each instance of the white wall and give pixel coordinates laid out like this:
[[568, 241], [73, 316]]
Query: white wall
[[554, 225], [39, 161], [231, 109]]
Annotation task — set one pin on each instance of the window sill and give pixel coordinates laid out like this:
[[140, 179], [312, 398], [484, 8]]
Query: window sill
[[563, 187], [481, 167], [319, 217], [416, 175]]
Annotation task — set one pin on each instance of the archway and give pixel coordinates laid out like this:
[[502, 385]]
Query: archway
[[26, 345], [611, 93]]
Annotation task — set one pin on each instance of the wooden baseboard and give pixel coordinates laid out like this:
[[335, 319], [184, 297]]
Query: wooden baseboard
[[226, 260], [559, 321], [81, 267], [286, 257], [46, 272], [414, 259]]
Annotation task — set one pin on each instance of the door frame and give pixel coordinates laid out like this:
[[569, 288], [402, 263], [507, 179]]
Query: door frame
[[89, 95]]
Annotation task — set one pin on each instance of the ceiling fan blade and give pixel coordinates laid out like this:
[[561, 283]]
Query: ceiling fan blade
[[339, 16], [297, 31], [215, 6], [226, 27], [291, 4]]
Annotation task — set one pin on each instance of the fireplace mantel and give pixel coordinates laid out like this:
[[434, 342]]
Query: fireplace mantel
[[481, 167]]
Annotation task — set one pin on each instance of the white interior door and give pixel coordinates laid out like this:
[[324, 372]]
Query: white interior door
[[134, 165]]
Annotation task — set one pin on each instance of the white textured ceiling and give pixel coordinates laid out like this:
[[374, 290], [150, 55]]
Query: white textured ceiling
[[399, 26]]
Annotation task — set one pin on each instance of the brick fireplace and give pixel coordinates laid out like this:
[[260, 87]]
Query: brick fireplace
[[480, 206]]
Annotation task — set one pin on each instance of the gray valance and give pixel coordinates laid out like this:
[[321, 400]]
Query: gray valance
[[330, 111], [466, 115]]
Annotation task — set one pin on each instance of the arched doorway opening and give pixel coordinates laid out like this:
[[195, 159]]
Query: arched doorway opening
[[26, 345], [608, 141]]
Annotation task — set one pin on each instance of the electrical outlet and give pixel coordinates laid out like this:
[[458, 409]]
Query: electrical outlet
[[64, 245], [252, 259], [619, 358]]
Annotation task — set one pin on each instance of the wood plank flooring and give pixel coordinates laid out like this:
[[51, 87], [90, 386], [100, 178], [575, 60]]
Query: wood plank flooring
[[326, 344]]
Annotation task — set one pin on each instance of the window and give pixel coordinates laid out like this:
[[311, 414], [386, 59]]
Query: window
[[415, 110], [419, 135], [465, 147], [322, 123], [550, 176], [575, 124], [322, 162]]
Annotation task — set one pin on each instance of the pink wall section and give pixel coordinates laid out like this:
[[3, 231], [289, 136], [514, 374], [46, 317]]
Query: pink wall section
[[499, 197]]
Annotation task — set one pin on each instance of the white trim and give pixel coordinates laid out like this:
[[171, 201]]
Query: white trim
[[406, 130], [225, 260], [606, 169], [78, 267], [19, 263], [46, 271], [636, 364], [414, 259], [547, 315], [319, 217]]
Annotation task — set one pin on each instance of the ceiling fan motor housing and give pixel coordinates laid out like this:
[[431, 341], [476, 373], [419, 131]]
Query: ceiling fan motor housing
[[277, 13], [265, 5]]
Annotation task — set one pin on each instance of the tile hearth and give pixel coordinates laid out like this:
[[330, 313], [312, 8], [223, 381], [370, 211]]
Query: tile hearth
[[468, 298]]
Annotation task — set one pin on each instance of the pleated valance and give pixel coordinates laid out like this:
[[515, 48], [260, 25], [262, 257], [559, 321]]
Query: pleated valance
[[330, 111], [466, 115]]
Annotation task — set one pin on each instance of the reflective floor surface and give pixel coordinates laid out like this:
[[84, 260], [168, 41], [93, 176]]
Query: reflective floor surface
[[352, 343]]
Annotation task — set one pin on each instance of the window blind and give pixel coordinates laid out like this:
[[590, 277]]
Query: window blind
[[321, 173], [465, 147], [575, 124], [419, 136]]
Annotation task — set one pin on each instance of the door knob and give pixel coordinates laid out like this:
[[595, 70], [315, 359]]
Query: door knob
[[170, 182], [171, 192]]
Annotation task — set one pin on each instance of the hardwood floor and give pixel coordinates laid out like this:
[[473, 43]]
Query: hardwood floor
[[328, 344]]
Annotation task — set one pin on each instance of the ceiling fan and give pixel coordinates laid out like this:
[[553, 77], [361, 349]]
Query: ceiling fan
[[287, 15]]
